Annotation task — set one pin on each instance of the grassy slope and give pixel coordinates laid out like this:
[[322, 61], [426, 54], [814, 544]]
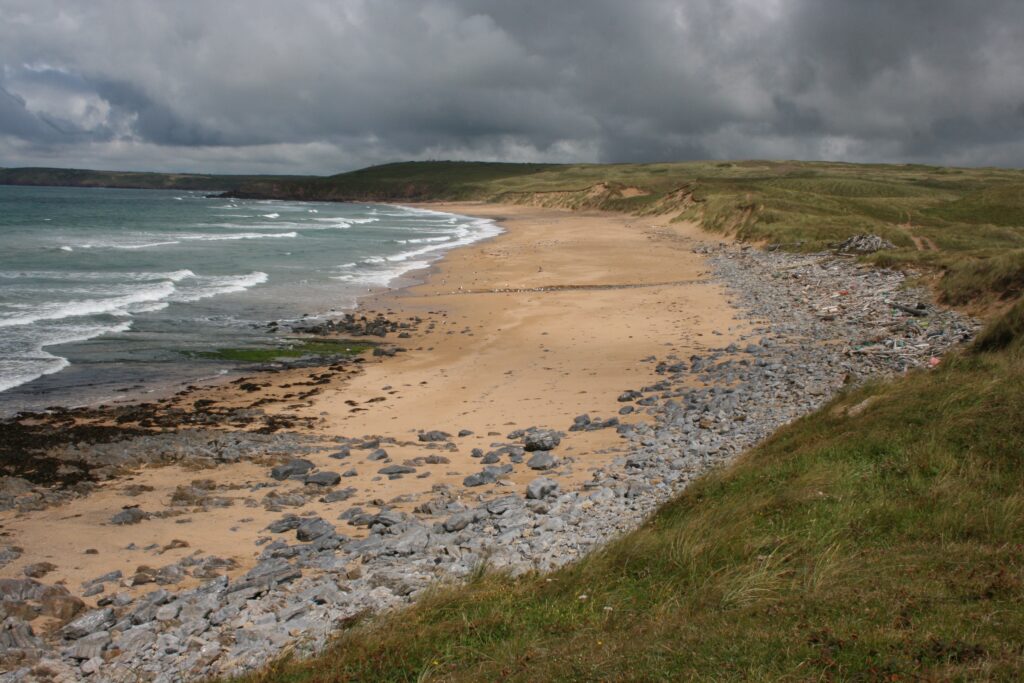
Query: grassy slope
[[885, 543], [881, 546], [69, 177]]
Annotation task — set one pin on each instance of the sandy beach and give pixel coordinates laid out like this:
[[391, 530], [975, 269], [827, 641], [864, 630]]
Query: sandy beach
[[550, 320]]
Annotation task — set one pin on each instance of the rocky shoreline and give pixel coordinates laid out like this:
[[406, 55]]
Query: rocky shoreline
[[825, 322]]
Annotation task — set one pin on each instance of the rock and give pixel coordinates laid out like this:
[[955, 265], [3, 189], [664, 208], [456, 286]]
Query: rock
[[130, 515], [167, 612], [434, 435], [541, 460], [339, 495], [313, 528], [90, 622], [864, 244], [324, 479], [413, 541], [61, 606], [9, 553], [38, 570], [465, 432], [378, 454], [15, 634], [458, 521], [286, 523], [89, 646], [630, 395], [436, 460], [540, 488], [292, 468], [170, 574], [541, 440], [489, 475], [396, 469], [95, 589]]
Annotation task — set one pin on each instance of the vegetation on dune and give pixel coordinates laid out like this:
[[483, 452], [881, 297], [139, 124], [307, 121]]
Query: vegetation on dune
[[877, 539]]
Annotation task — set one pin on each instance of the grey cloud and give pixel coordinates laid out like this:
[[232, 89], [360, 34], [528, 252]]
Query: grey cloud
[[322, 86]]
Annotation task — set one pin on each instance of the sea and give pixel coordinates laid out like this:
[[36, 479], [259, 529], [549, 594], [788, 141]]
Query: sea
[[107, 293]]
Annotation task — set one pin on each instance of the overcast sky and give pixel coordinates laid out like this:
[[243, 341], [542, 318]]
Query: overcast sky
[[318, 86]]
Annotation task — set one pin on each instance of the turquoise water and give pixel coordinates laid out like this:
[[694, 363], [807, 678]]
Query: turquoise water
[[103, 290]]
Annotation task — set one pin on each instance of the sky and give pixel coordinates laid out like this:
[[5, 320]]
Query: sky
[[319, 87]]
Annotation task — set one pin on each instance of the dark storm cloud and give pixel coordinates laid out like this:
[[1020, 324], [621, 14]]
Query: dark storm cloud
[[322, 86]]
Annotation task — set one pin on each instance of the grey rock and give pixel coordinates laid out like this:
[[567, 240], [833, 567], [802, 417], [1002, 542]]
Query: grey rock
[[292, 468], [340, 495], [313, 528], [434, 435], [90, 622], [541, 440], [541, 460], [396, 469], [131, 515], [458, 521], [540, 488], [324, 479]]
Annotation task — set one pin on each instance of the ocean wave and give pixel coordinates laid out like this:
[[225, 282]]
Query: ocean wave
[[214, 285], [77, 275], [423, 240], [25, 359], [116, 305], [239, 236]]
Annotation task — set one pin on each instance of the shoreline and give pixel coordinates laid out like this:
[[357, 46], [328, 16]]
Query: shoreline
[[502, 346]]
